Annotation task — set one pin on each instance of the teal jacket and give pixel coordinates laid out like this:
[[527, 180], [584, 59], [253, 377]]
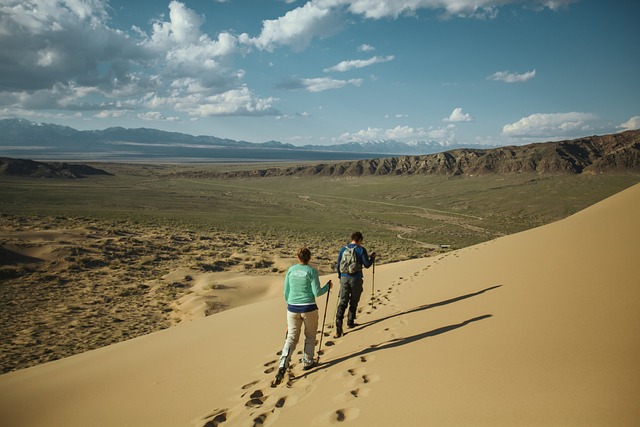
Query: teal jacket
[[302, 286]]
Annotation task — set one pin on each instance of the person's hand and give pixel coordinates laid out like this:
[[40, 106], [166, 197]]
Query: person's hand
[[373, 255], [330, 283]]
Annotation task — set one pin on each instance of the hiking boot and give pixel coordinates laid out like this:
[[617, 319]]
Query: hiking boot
[[280, 374], [309, 365], [338, 331], [352, 325]]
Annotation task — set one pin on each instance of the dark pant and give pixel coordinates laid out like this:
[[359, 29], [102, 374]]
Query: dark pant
[[350, 292]]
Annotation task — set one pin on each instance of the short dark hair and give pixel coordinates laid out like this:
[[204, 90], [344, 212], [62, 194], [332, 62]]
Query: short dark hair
[[356, 236], [304, 254]]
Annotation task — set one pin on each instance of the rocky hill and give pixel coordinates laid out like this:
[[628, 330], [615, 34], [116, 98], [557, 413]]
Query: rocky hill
[[594, 154], [30, 168]]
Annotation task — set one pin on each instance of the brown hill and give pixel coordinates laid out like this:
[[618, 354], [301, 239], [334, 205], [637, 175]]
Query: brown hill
[[594, 154], [30, 168]]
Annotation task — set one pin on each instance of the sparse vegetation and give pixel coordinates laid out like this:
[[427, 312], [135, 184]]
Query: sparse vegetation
[[113, 238]]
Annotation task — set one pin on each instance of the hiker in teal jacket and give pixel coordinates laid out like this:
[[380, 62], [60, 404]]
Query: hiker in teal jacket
[[351, 282], [301, 287]]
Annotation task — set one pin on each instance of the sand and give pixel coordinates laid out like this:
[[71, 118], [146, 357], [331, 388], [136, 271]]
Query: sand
[[537, 328], [70, 285]]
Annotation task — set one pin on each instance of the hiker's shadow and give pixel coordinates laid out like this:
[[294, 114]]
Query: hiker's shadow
[[397, 342], [424, 307]]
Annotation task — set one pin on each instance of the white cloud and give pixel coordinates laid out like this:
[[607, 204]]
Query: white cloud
[[157, 116], [631, 124], [442, 134], [458, 116], [319, 84], [400, 133], [361, 135], [405, 132], [507, 77], [296, 28], [182, 50], [66, 55], [551, 125], [323, 18], [376, 9], [46, 43], [358, 63], [185, 23], [181, 37], [303, 115], [202, 103], [366, 48], [110, 114], [63, 55], [555, 4]]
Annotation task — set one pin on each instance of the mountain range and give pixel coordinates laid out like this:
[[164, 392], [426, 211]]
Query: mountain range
[[618, 152], [593, 154], [23, 138]]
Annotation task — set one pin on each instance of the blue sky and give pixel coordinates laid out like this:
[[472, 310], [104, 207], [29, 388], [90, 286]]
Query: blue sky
[[326, 71]]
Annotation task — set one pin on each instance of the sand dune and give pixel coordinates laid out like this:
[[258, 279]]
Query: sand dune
[[537, 328]]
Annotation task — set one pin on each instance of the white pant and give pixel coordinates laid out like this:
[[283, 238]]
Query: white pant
[[294, 326]]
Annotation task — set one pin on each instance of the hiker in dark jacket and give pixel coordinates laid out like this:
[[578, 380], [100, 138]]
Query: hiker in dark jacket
[[351, 259]]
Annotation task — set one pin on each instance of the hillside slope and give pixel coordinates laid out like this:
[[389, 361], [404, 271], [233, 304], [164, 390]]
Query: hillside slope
[[30, 168], [595, 154]]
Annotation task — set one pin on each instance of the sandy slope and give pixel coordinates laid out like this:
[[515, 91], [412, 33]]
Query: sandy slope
[[537, 328]]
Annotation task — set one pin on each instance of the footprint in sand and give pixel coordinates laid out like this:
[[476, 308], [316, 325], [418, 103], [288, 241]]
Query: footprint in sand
[[254, 406], [246, 386], [257, 399], [259, 420], [345, 414], [215, 419], [280, 402]]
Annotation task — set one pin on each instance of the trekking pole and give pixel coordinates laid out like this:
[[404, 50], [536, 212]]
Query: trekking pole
[[373, 281], [335, 311], [323, 319]]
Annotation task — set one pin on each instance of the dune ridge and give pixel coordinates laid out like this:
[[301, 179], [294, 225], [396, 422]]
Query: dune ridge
[[535, 328]]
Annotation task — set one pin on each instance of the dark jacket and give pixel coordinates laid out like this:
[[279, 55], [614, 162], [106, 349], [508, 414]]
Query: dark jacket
[[361, 256]]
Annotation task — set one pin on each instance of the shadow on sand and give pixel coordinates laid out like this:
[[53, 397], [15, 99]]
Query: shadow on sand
[[425, 307], [397, 342]]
